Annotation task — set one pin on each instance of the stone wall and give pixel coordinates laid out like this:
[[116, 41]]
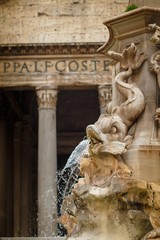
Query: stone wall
[[56, 21], [149, 3]]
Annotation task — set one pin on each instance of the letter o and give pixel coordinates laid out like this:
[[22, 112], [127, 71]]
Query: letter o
[[73, 66]]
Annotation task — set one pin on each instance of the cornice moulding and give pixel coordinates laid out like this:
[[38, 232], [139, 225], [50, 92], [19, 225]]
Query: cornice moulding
[[49, 49], [129, 24]]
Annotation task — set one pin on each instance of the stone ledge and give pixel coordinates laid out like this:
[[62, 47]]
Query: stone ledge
[[49, 49]]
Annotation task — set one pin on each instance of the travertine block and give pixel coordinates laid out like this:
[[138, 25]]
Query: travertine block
[[57, 20]]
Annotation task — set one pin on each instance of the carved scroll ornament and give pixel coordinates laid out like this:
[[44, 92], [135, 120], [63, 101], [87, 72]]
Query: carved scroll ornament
[[156, 37]]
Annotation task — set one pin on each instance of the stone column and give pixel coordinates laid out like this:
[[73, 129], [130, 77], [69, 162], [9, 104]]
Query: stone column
[[10, 182], [105, 96], [26, 176], [3, 180], [17, 178], [47, 162]]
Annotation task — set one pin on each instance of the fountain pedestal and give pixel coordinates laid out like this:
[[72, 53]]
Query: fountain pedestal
[[133, 27], [118, 194]]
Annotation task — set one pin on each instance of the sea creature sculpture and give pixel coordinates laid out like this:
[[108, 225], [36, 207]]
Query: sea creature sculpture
[[110, 133]]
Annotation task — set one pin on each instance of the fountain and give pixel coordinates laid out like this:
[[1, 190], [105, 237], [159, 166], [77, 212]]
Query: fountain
[[117, 194]]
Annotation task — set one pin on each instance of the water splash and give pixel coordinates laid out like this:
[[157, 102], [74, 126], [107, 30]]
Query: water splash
[[68, 176]]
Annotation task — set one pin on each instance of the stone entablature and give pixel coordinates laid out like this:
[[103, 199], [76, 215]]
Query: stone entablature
[[58, 64], [54, 65]]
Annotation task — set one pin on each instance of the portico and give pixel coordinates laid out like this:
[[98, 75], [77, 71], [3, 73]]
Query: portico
[[39, 84]]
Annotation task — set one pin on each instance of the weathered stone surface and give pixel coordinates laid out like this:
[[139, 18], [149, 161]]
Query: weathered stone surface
[[56, 21]]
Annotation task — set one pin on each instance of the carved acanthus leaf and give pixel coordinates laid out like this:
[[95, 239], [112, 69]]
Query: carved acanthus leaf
[[46, 98], [105, 94]]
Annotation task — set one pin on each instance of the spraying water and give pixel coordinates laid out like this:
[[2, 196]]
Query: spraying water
[[77, 154], [70, 173]]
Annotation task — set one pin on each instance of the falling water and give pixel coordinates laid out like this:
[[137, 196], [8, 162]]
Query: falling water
[[68, 176], [76, 155]]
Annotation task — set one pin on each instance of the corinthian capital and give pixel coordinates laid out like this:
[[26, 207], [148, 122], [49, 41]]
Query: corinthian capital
[[105, 94], [47, 97]]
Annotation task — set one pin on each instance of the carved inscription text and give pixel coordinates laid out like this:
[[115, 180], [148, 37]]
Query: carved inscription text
[[53, 66]]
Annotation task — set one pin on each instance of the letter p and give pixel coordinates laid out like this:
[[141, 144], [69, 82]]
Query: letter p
[[6, 66]]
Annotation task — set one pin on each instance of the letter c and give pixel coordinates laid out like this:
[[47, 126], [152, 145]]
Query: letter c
[[60, 68]]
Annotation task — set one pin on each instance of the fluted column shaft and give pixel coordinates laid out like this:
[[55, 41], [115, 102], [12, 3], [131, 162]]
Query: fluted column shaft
[[47, 162]]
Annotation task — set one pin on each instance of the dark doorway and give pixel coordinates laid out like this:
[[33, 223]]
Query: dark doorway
[[75, 110]]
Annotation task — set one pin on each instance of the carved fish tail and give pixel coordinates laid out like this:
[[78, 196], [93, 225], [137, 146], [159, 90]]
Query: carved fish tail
[[124, 88]]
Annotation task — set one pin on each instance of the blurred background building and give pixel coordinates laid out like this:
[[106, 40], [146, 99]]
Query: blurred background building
[[53, 83]]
